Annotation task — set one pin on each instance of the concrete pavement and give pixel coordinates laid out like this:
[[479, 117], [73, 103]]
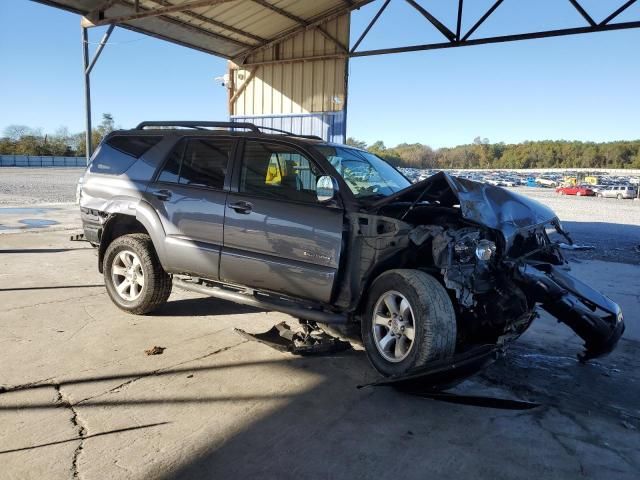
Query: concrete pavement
[[82, 399]]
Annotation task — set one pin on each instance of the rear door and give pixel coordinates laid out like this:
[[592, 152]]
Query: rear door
[[277, 236], [189, 194]]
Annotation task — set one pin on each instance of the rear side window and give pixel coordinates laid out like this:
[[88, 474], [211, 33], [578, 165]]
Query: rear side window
[[134, 146], [198, 162], [124, 151]]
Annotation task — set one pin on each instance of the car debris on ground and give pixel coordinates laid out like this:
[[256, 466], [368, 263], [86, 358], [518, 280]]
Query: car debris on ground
[[309, 341], [155, 350]]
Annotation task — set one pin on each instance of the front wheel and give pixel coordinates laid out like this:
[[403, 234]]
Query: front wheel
[[619, 197], [133, 275], [409, 321]]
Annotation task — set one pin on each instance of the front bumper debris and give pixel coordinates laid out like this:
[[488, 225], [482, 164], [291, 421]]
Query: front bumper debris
[[309, 341], [443, 374], [592, 316]]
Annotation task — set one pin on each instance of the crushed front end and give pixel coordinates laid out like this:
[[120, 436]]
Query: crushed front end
[[494, 251]]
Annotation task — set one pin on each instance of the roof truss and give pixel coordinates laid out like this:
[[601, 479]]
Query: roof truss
[[238, 41]]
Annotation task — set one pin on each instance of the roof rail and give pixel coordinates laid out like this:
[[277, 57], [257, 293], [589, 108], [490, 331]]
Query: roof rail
[[198, 125], [231, 125], [271, 129]]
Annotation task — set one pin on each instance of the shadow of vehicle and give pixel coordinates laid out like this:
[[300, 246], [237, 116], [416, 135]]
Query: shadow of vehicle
[[331, 429], [201, 307]]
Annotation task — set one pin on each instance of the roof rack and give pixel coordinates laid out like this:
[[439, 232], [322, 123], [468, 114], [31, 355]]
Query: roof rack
[[271, 129], [197, 125]]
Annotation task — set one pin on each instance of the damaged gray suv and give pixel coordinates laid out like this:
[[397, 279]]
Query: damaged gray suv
[[431, 273]]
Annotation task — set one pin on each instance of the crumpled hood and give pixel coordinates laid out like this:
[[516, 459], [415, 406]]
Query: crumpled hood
[[482, 203]]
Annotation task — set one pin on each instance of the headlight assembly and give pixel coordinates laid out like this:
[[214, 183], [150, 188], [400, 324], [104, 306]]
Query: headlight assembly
[[464, 248], [485, 249], [470, 245]]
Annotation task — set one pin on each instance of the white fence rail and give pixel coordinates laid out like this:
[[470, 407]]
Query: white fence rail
[[41, 161]]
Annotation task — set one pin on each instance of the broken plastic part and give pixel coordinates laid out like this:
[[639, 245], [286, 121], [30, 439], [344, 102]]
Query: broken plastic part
[[442, 374], [309, 341]]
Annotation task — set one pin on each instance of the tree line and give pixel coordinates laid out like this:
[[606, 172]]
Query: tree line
[[483, 154], [24, 140]]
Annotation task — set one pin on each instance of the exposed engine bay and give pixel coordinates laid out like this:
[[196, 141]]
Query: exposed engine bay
[[493, 251]]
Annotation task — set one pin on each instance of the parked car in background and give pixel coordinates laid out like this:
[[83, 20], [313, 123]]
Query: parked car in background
[[618, 191], [546, 182], [579, 190]]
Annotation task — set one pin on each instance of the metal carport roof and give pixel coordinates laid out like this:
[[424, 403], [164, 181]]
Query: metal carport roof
[[227, 28]]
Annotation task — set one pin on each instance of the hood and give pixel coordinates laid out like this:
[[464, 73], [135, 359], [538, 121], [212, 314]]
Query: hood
[[485, 204]]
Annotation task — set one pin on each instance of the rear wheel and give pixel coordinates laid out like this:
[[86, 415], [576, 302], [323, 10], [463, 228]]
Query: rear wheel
[[619, 196], [409, 321], [133, 275], [599, 195]]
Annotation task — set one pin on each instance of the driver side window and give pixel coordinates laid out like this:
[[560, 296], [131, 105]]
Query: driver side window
[[278, 171]]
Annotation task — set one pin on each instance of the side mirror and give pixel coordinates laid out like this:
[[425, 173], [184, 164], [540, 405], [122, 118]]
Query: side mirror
[[326, 188]]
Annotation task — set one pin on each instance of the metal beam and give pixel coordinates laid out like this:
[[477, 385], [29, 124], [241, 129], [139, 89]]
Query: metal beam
[[486, 15], [196, 29], [300, 21], [281, 11], [583, 12], [98, 12], [333, 39], [103, 42], [614, 15], [459, 22], [433, 20], [501, 39], [310, 58], [338, 12], [87, 92], [158, 11], [215, 23], [242, 87], [371, 24]]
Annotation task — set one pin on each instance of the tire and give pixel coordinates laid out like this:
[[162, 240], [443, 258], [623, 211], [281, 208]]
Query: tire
[[432, 314], [562, 192], [599, 195], [144, 267], [619, 197], [579, 194]]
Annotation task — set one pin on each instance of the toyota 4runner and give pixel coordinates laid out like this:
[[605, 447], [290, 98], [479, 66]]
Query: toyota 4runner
[[330, 234]]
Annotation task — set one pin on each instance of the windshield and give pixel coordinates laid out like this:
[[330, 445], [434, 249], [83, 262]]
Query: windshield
[[366, 174]]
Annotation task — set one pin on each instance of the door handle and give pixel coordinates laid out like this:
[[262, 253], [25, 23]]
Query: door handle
[[163, 195], [241, 207]]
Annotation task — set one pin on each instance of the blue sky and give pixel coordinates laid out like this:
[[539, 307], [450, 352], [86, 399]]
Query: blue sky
[[577, 88]]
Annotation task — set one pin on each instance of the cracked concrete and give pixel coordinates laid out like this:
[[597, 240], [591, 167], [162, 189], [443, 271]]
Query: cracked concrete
[[80, 399], [77, 424]]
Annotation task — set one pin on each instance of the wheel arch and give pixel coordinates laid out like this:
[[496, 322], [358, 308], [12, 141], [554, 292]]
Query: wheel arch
[[117, 225]]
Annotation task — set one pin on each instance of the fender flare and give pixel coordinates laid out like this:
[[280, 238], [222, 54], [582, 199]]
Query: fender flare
[[148, 218]]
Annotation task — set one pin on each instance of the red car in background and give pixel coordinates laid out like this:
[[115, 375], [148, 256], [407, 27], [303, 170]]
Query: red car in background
[[579, 190]]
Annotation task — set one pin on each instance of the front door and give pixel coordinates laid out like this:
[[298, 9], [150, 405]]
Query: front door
[[189, 197], [277, 236]]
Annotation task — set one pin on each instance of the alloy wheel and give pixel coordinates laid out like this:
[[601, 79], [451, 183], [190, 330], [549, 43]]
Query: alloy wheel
[[393, 326], [127, 275]]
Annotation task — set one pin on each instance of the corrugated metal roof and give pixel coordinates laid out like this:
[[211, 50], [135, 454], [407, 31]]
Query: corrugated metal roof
[[227, 28]]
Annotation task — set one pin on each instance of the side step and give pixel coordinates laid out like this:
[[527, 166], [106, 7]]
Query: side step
[[252, 301]]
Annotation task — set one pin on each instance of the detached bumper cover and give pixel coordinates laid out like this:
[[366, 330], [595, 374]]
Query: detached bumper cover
[[592, 316]]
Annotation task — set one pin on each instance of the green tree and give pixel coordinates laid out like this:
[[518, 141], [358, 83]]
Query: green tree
[[356, 143]]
